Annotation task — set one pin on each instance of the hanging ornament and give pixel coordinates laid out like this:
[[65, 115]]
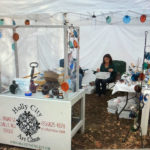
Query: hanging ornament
[[146, 97], [141, 97], [1, 21], [69, 83], [71, 44], [135, 76], [65, 86], [27, 22], [75, 44], [0, 34], [16, 36], [142, 76], [126, 19], [145, 66], [143, 18], [147, 55], [71, 34], [108, 19], [137, 88], [71, 66], [13, 46], [13, 22], [75, 33]]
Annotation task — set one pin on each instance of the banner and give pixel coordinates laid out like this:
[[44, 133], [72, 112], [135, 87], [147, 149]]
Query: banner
[[35, 123]]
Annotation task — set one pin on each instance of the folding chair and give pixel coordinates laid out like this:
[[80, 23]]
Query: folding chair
[[120, 68]]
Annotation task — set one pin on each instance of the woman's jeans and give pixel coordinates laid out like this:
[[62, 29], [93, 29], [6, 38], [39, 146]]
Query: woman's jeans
[[101, 85]]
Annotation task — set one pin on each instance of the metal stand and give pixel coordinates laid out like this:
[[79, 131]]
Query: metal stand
[[124, 140], [138, 128]]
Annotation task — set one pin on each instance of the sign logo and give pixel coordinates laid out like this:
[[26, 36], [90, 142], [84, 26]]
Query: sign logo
[[28, 123]]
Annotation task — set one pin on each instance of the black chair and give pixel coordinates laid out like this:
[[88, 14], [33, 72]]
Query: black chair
[[120, 68]]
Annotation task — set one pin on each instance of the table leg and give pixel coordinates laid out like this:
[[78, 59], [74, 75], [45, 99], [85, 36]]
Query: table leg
[[127, 99], [122, 108], [145, 117], [124, 140], [83, 113]]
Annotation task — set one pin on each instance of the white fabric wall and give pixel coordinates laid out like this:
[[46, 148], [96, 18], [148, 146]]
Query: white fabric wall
[[7, 61], [123, 42], [42, 45]]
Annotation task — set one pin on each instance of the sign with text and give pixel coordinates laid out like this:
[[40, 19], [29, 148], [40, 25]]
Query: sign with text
[[35, 123]]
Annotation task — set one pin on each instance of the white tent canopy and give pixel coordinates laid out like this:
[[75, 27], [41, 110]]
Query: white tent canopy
[[122, 41], [27, 7]]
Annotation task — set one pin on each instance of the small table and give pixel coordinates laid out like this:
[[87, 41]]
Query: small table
[[129, 88]]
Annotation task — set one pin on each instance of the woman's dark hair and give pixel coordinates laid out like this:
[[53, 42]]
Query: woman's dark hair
[[108, 56]]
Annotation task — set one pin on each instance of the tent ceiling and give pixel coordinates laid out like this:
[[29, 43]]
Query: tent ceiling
[[28, 7]]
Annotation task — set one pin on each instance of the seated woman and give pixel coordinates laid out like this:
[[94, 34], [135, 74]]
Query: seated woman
[[106, 66]]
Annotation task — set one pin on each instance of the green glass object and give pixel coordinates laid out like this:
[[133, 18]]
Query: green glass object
[[1, 22], [145, 65], [108, 19], [13, 46], [71, 44], [14, 23]]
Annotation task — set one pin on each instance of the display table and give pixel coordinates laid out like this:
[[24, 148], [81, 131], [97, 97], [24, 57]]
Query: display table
[[39, 123], [129, 88], [122, 87]]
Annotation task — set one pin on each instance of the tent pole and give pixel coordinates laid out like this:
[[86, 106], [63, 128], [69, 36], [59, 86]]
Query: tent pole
[[65, 48], [77, 57], [35, 26], [65, 52], [16, 56]]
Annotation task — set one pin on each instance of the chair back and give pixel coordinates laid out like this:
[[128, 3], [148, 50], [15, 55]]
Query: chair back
[[120, 66]]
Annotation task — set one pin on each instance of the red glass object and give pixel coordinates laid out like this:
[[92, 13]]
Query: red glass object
[[75, 44], [16, 36], [142, 76], [32, 87], [143, 18], [65, 86], [27, 22]]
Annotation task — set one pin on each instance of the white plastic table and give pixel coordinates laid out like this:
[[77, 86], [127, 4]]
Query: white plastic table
[[122, 87], [37, 122]]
